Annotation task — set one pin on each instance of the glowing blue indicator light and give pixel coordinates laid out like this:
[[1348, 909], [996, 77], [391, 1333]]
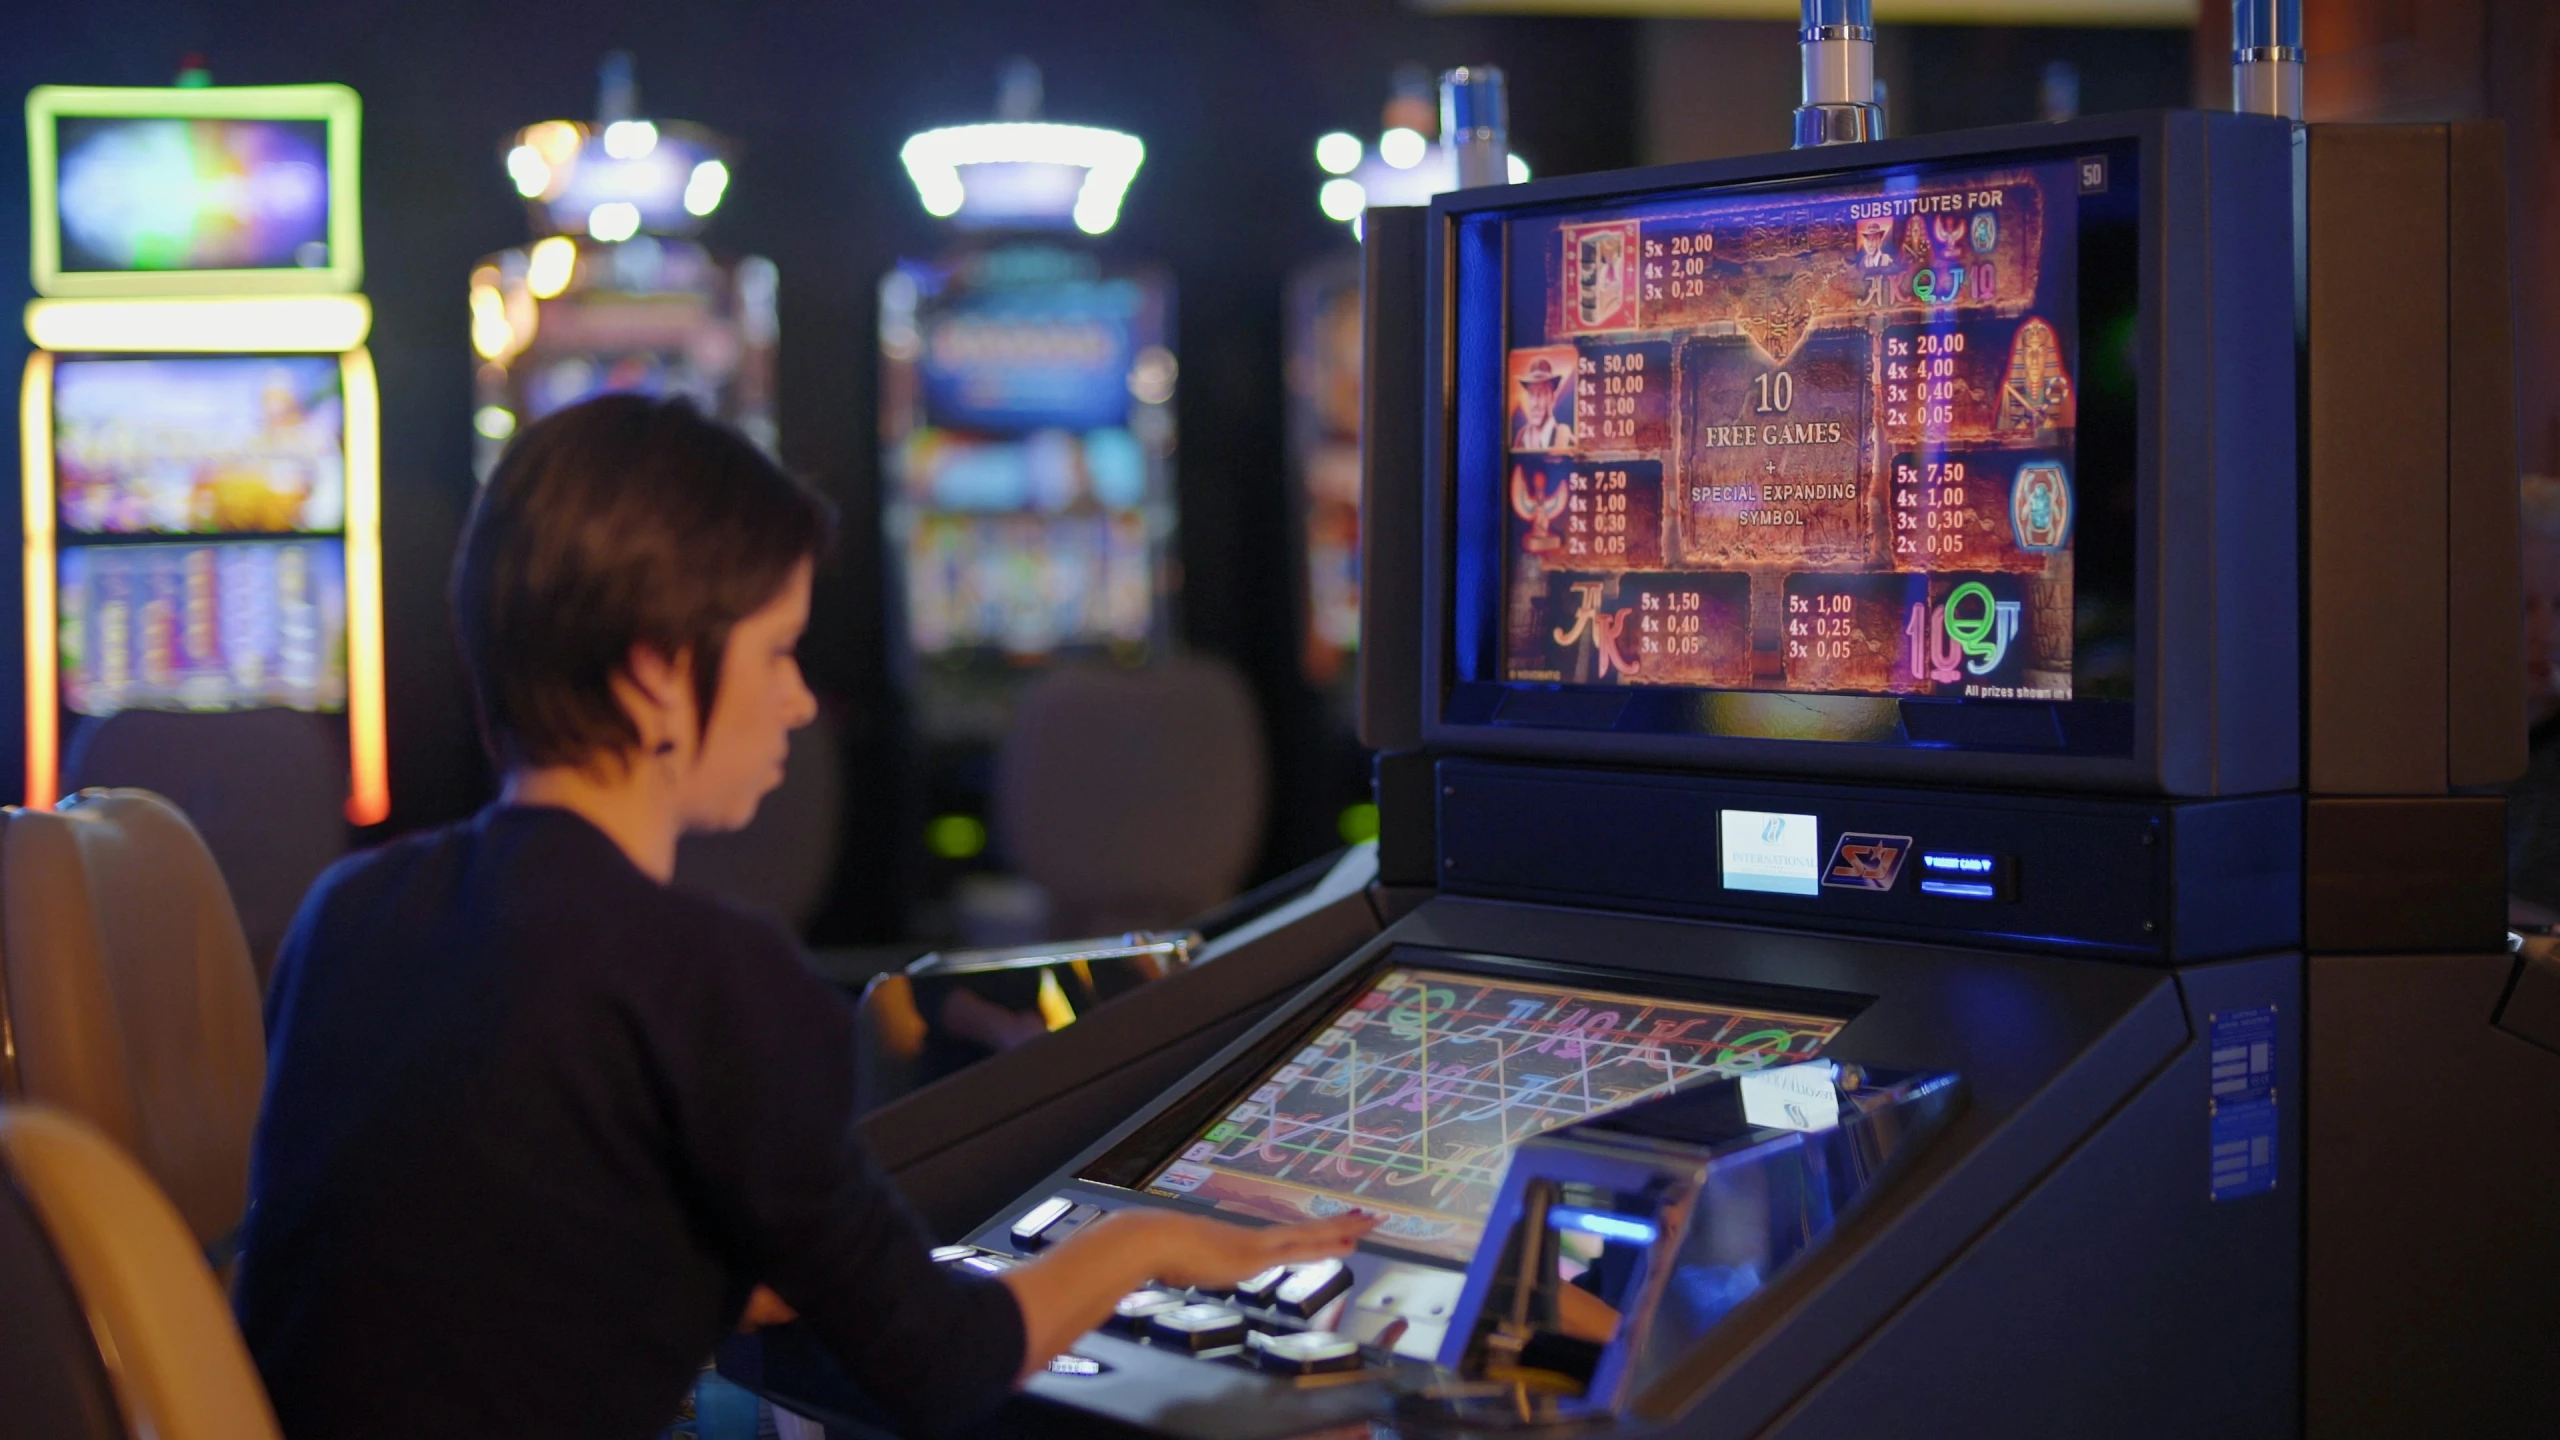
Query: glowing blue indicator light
[[1603, 1224], [1961, 889]]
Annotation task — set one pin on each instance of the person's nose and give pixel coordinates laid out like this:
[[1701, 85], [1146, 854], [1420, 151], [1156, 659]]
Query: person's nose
[[802, 704]]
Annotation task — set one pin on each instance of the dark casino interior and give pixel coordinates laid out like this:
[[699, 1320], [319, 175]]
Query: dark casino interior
[[792, 719]]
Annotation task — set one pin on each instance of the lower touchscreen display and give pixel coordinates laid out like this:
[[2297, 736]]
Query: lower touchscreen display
[[1407, 1102]]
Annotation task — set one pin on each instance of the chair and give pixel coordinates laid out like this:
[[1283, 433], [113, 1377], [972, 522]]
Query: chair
[[122, 1334], [127, 993], [780, 863], [1134, 797], [265, 788]]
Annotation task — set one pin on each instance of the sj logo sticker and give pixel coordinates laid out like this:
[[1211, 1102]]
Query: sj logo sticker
[[1866, 862]]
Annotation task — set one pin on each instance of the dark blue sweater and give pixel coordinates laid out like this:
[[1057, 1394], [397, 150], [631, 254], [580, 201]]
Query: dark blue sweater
[[535, 1124]]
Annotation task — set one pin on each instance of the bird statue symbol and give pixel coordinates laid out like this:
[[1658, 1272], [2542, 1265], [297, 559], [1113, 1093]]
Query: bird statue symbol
[[1539, 504]]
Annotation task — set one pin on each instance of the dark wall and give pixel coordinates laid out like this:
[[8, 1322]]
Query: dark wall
[[1228, 94]]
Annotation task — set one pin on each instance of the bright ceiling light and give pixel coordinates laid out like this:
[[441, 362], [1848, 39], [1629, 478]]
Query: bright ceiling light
[[1403, 148], [1109, 159], [491, 335], [496, 422], [529, 170], [1342, 199], [702, 193], [1516, 168], [614, 220], [1338, 153], [552, 261], [630, 139]]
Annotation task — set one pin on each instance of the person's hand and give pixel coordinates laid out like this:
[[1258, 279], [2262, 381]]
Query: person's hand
[[765, 1308], [1196, 1250]]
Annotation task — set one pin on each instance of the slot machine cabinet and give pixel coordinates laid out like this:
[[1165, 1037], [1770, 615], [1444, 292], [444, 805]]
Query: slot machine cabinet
[[200, 425], [1028, 452], [617, 294], [1631, 857]]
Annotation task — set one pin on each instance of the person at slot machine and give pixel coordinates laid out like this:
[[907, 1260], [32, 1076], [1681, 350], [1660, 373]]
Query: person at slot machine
[[539, 1127]]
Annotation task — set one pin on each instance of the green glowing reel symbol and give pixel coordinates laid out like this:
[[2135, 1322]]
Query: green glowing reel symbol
[[1972, 632]]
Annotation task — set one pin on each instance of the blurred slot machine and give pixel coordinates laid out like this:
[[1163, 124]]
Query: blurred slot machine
[[1405, 166], [199, 420], [1027, 440], [615, 294]]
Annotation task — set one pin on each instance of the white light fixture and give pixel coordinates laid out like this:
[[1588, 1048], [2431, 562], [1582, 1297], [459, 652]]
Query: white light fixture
[[630, 139], [1109, 158], [1403, 148], [298, 324], [529, 170], [702, 192], [549, 265], [1338, 153], [614, 220], [1517, 169], [495, 422], [1342, 199]]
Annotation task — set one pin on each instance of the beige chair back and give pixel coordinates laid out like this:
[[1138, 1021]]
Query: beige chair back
[[56, 1385], [173, 1358], [126, 993], [1134, 797]]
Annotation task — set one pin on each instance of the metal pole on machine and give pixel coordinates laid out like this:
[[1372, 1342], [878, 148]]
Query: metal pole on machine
[[1838, 41], [1475, 123], [2266, 58]]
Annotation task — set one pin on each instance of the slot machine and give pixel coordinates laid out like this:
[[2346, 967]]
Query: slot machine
[[1899, 891], [199, 420], [617, 294], [1027, 440]]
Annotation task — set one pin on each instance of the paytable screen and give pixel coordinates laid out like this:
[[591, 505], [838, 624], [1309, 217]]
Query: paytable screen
[[1821, 438]]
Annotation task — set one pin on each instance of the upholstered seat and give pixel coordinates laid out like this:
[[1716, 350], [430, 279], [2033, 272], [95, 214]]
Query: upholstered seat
[[127, 995], [783, 861], [110, 1322], [265, 788], [1135, 798]]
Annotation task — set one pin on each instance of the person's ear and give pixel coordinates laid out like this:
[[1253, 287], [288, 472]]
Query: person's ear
[[660, 698]]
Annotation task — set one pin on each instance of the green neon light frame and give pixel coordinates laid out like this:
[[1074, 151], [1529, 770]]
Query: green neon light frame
[[335, 104]]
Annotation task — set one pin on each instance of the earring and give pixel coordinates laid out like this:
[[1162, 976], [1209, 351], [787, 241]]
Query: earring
[[666, 747]]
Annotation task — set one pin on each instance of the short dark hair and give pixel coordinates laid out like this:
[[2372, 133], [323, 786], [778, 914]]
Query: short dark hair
[[618, 522]]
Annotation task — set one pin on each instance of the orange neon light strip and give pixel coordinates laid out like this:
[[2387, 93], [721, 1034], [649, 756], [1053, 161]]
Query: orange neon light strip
[[368, 745], [44, 701]]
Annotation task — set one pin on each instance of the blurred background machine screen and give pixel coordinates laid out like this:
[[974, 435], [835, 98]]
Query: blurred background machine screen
[[142, 192]]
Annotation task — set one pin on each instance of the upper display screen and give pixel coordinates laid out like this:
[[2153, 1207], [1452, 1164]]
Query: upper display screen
[[1407, 1102], [149, 193], [1815, 448], [245, 443]]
